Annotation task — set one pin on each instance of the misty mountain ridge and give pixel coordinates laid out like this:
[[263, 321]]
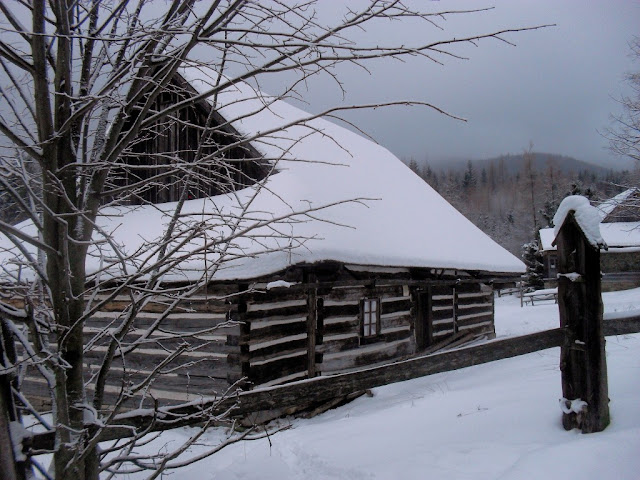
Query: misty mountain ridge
[[514, 163], [510, 197]]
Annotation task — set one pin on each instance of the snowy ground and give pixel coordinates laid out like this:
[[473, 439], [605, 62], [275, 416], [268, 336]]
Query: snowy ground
[[494, 421], [513, 320]]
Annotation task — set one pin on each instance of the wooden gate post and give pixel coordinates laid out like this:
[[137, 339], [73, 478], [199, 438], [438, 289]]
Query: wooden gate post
[[582, 360]]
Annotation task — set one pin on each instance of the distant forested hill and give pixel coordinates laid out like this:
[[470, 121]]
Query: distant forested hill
[[515, 162], [511, 197], [541, 161]]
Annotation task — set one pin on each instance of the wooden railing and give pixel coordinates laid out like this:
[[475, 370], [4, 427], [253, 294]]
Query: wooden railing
[[322, 389]]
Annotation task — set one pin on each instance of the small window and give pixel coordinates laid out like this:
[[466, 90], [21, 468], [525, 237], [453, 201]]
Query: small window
[[552, 262], [370, 326]]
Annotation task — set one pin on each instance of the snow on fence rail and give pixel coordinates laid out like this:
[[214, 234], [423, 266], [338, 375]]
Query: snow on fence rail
[[295, 396]]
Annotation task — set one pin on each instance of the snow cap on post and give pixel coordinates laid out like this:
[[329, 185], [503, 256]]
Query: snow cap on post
[[587, 217]]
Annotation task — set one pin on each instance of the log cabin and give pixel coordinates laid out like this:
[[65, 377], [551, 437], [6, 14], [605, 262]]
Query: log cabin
[[620, 228], [347, 259]]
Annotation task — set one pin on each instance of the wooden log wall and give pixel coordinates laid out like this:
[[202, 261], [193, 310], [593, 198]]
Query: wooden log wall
[[287, 339], [465, 308], [291, 334], [201, 326], [475, 309], [280, 335], [342, 348], [274, 339]]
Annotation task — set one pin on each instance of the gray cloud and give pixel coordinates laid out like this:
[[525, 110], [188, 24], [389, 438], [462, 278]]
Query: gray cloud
[[556, 88]]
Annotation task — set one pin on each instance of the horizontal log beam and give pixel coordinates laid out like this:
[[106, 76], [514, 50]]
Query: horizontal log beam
[[390, 282], [621, 326]]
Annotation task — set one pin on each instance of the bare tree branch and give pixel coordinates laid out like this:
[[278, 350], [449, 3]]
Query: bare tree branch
[[93, 97]]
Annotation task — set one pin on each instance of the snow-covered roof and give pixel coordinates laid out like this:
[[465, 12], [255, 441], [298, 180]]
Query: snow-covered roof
[[547, 236], [608, 206], [618, 236], [398, 220], [585, 215], [621, 236]]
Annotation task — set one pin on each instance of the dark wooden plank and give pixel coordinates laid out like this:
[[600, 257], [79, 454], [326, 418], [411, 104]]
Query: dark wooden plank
[[163, 344], [218, 367], [257, 298], [419, 319], [455, 307], [444, 343], [438, 290], [341, 344], [295, 325], [621, 326], [287, 345], [356, 292], [272, 370], [476, 319], [396, 304], [177, 321], [332, 310], [284, 310], [208, 306], [187, 384], [442, 315], [334, 325], [480, 331], [441, 324], [398, 319], [395, 335], [312, 327], [374, 353]]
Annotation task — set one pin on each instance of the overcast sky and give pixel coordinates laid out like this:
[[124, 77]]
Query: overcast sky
[[556, 88]]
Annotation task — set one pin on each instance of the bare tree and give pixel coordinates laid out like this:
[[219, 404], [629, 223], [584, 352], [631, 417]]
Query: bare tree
[[530, 177], [87, 88], [624, 135]]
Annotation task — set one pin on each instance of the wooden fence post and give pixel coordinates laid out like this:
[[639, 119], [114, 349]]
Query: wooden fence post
[[11, 468], [582, 360]]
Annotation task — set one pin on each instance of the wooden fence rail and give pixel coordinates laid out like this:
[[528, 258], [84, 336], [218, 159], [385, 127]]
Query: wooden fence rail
[[317, 390]]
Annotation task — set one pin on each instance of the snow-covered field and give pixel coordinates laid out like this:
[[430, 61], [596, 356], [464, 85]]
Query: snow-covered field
[[512, 320], [499, 420]]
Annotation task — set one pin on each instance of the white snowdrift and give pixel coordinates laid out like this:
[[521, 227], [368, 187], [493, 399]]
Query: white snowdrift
[[587, 217]]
